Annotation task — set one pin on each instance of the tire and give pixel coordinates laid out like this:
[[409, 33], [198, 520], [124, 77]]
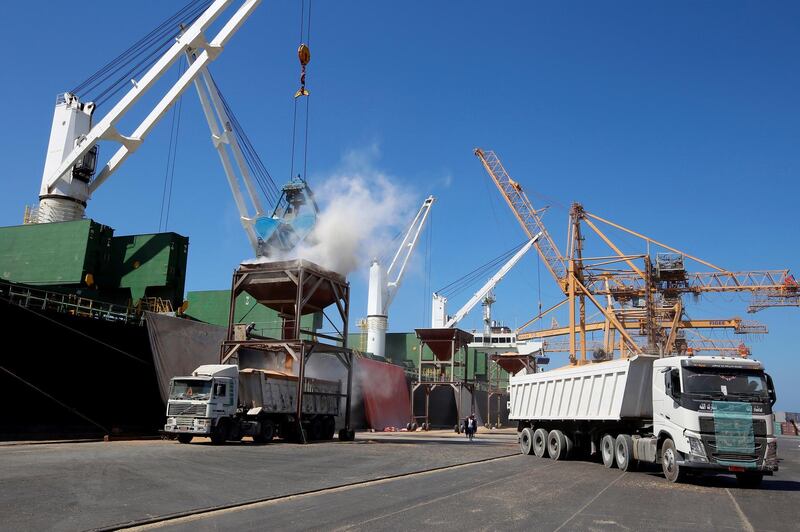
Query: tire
[[607, 444], [540, 442], [569, 446], [556, 445], [749, 479], [669, 461], [184, 438], [266, 433], [426, 427], [526, 441], [316, 429], [414, 427], [329, 431], [219, 434], [347, 435], [623, 452], [408, 426]]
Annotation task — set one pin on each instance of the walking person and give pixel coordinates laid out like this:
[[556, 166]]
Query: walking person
[[471, 426]]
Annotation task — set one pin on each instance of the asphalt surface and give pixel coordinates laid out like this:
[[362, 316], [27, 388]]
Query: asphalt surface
[[389, 482]]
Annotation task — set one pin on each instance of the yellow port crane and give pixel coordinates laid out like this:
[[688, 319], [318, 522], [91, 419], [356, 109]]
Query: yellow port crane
[[635, 294]]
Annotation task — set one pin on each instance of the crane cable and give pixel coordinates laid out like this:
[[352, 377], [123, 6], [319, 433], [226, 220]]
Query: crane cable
[[172, 153], [305, 31]]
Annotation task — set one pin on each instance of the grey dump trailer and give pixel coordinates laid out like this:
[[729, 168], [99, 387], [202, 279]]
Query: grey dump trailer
[[225, 403], [689, 414]]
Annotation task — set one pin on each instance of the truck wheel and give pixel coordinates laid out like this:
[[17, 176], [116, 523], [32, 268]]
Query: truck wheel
[[330, 428], [266, 433], [569, 445], [184, 438], [556, 445], [669, 461], [623, 452], [749, 479], [526, 441], [607, 450], [540, 442], [219, 434], [316, 429]]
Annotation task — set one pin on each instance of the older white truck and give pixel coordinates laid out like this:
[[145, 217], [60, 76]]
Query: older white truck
[[698, 414], [224, 403]]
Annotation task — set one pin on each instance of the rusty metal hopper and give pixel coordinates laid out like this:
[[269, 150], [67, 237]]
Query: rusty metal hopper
[[512, 362], [276, 285], [444, 342]]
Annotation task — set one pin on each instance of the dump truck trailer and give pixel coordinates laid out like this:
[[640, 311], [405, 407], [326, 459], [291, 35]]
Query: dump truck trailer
[[225, 403], [689, 414]]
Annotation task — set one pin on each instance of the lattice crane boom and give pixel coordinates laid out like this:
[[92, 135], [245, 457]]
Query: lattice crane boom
[[528, 217]]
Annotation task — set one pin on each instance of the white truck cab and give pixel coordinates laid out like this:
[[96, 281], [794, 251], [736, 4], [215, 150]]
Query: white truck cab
[[717, 411], [198, 401]]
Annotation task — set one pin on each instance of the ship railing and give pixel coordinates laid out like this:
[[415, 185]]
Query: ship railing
[[71, 304]]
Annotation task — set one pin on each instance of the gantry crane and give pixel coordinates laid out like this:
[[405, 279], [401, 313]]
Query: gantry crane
[[633, 292]]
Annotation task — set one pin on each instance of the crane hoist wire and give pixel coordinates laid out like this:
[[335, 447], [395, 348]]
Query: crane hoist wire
[[304, 55], [172, 152], [117, 73], [478, 274], [259, 172]]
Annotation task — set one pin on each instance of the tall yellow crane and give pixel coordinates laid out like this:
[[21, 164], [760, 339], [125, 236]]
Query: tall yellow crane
[[637, 294]]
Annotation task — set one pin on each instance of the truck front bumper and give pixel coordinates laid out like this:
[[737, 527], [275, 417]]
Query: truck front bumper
[[194, 426], [763, 457]]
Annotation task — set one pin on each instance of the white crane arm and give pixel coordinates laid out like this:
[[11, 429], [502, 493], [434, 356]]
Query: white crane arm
[[192, 38], [491, 283], [400, 260]]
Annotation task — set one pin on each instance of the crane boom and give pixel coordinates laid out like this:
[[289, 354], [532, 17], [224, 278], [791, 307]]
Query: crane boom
[[485, 289], [528, 217], [61, 189], [381, 291]]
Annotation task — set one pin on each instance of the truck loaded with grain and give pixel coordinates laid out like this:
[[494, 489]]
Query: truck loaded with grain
[[687, 413], [225, 403]]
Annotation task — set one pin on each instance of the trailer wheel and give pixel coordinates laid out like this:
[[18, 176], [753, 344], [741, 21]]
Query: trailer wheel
[[330, 428], [526, 441], [184, 438], [266, 433], [607, 450], [569, 445], [749, 479], [316, 429], [540, 442], [669, 461], [623, 452], [556, 445]]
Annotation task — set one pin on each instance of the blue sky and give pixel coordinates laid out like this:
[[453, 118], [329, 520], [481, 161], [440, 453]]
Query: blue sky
[[678, 119]]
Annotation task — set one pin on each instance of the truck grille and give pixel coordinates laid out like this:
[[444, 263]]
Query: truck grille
[[181, 409], [759, 426]]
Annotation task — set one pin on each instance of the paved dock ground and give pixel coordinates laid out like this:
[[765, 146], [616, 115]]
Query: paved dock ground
[[382, 481]]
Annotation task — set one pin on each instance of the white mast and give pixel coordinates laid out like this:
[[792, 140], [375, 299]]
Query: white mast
[[384, 283]]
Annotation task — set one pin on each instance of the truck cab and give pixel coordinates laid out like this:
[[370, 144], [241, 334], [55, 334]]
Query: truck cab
[[714, 413], [197, 402]]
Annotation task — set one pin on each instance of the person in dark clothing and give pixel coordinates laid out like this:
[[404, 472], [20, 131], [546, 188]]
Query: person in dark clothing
[[470, 426]]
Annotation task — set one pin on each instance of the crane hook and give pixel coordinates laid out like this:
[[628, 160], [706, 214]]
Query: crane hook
[[304, 55]]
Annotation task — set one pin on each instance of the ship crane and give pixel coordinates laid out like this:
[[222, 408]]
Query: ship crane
[[69, 180], [385, 282], [439, 318]]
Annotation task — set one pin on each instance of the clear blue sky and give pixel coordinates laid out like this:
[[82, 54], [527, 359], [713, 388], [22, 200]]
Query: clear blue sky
[[679, 119]]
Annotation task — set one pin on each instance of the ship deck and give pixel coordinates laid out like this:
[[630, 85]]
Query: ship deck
[[381, 481]]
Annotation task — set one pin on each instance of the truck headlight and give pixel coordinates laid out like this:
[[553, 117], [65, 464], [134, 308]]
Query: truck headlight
[[202, 422], [172, 421], [697, 449]]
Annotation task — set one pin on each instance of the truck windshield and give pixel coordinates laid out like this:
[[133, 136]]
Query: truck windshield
[[721, 383], [190, 389]]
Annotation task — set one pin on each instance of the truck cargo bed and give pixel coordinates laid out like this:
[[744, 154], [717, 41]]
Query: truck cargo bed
[[610, 390]]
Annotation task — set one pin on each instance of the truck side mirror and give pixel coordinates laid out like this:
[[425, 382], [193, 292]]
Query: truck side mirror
[[219, 389], [773, 397], [674, 383]]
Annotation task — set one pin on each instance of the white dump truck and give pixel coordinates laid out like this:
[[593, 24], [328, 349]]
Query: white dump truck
[[225, 403], [688, 413]]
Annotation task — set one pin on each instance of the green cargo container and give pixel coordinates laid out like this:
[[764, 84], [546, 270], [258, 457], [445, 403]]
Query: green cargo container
[[54, 254]]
